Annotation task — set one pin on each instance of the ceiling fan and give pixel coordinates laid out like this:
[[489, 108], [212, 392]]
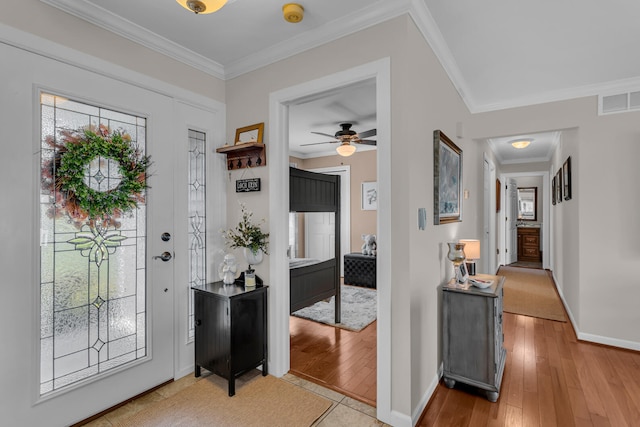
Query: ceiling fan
[[345, 137]]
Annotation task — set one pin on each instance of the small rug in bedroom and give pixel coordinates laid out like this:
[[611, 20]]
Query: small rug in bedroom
[[359, 309]]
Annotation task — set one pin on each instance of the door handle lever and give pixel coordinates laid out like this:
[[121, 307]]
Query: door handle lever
[[166, 256]]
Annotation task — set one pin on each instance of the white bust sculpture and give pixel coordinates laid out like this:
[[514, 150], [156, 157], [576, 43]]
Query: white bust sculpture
[[227, 269]]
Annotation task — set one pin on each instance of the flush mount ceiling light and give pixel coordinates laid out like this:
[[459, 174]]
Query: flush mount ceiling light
[[202, 6], [345, 149], [520, 143], [293, 12]]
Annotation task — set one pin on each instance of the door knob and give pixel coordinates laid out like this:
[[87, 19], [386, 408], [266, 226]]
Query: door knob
[[166, 256]]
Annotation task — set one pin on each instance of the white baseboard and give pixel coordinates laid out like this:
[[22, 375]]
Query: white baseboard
[[598, 339], [415, 417]]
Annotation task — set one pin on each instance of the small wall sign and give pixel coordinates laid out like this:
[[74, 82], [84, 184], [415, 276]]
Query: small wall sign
[[247, 185]]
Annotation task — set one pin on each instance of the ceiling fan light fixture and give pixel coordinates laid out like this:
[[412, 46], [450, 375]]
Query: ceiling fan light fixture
[[520, 143], [202, 6], [345, 149]]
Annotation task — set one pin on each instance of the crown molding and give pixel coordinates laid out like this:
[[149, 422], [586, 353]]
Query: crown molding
[[111, 22], [374, 14], [611, 87], [429, 28]]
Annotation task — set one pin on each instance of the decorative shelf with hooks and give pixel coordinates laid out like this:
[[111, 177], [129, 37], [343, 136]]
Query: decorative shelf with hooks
[[246, 155]]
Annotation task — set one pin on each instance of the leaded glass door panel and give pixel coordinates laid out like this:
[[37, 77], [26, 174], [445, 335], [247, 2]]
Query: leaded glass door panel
[[93, 227]]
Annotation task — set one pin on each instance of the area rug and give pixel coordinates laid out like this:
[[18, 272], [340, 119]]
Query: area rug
[[531, 293], [265, 401], [359, 309]]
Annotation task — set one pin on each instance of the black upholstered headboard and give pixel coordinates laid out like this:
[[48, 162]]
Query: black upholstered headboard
[[313, 192]]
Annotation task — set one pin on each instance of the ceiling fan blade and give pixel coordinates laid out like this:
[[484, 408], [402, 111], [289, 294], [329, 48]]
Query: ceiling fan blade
[[367, 133], [318, 143], [366, 142], [324, 134]]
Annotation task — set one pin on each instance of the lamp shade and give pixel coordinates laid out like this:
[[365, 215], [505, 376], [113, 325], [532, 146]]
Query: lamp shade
[[202, 6], [471, 248], [346, 149]]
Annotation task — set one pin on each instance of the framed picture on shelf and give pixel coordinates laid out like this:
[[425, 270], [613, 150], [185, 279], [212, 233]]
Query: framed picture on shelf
[[252, 133], [447, 180], [369, 196], [462, 274], [566, 178]]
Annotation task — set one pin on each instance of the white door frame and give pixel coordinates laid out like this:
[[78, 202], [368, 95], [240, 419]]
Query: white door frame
[[279, 102], [489, 227], [544, 197]]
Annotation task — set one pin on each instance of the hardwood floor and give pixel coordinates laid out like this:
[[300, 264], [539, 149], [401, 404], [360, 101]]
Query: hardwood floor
[[550, 379], [335, 358]]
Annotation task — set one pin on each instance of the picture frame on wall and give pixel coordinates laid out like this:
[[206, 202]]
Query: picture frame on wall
[[559, 185], [369, 196], [447, 180], [566, 176], [553, 190]]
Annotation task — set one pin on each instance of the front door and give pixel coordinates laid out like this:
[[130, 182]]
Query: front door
[[101, 292]]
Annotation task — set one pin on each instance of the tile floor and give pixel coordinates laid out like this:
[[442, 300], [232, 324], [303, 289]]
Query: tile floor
[[344, 410]]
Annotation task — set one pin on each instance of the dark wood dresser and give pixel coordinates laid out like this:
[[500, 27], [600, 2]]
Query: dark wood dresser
[[529, 244], [230, 329]]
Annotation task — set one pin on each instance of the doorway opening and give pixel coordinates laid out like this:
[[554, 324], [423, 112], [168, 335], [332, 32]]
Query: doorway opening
[[279, 178]]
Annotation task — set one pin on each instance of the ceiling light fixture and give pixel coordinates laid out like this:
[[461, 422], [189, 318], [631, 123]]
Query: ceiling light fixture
[[293, 12], [520, 143], [345, 149], [202, 6]]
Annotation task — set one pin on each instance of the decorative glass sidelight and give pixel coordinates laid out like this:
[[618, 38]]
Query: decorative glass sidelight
[[92, 260], [197, 216]]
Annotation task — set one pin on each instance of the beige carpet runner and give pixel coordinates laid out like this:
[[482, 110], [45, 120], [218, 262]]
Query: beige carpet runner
[[531, 293], [264, 401]]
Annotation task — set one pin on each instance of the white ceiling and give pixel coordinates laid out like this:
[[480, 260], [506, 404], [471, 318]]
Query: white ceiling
[[498, 54], [540, 150]]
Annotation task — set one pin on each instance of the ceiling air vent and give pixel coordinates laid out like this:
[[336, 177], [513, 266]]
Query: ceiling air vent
[[619, 103]]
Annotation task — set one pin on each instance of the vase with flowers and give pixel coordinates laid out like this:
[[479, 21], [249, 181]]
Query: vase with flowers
[[249, 237]]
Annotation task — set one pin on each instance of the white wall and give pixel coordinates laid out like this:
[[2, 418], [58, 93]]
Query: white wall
[[423, 100], [593, 250], [38, 18]]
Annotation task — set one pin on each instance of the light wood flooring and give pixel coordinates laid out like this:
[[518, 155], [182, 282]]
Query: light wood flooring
[[550, 379], [335, 358]]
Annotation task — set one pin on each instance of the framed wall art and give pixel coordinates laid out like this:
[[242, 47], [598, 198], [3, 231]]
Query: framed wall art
[[553, 190], [566, 178], [559, 186], [447, 180], [369, 196]]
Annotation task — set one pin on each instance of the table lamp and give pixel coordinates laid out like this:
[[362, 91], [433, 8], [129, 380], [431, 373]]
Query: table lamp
[[472, 252]]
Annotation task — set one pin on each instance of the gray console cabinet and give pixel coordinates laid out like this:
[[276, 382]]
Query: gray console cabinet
[[472, 338]]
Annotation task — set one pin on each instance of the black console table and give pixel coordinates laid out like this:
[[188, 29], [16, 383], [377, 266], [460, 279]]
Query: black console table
[[360, 270], [230, 329]]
